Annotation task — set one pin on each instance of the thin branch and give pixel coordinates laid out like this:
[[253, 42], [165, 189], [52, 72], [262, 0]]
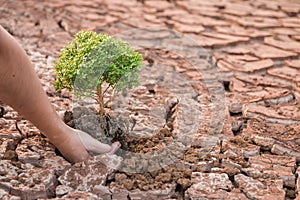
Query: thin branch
[[106, 89], [110, 98]]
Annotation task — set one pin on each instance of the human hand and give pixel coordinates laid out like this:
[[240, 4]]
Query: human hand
[[76, 145], [94, 146]]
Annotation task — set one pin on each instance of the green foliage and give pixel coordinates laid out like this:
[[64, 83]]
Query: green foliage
[[93, 59]]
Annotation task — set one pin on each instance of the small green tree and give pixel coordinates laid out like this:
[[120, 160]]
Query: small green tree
[[94, 63]]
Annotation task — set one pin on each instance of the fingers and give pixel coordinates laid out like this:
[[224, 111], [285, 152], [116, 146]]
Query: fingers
[[93, 145], [114, 147]]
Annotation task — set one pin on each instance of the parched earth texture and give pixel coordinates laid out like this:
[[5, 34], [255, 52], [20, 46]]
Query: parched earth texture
[[216, 115]]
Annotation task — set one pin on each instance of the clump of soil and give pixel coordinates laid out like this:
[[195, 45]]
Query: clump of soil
[[241, 141], [156, 180], [112, 129], [143, 145], [106, 130]]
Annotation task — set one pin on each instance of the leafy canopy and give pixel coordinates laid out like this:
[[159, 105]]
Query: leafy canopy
[[92, 59]]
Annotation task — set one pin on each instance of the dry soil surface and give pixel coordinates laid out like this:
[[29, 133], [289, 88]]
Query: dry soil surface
[[216, 115]]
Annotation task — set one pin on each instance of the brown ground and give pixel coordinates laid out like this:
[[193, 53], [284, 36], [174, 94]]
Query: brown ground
[[246, 142]]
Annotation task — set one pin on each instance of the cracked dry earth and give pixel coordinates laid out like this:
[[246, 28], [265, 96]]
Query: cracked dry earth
[[246, 142]]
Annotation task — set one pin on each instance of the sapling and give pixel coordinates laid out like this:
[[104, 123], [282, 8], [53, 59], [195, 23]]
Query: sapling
[[95, 64]]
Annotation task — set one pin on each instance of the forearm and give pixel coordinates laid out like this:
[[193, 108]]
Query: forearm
[[21, 88]]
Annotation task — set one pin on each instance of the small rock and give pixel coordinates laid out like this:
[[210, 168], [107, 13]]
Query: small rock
[[163, 177], [265, 142], [240, 146], [119, 194], [154, 194], [128, 184], [81, 195], [61, 190], [205, 184], [285, 150], [285, 72], [265, 51], [290, 45], [6, 196], [120, 177], [90, 175], [255, 189]]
